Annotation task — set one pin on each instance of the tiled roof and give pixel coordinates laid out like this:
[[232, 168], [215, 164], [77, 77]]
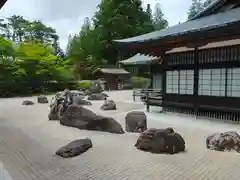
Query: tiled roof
[[210, 9], [139, 59], [206, 23], [112, 71], [207, 46]]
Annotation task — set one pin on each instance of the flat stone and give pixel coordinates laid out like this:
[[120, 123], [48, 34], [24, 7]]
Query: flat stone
[[27, 102], [75, 148], [42, 99]]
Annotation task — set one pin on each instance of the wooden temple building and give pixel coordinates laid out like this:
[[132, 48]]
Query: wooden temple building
[[140, 64], [113, 77], [200, 68]]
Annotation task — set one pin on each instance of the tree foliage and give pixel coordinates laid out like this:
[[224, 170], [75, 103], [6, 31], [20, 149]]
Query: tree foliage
[[197, 6], [27, 57], [93, 45], [208, 2], [158, 18], [31, 57]]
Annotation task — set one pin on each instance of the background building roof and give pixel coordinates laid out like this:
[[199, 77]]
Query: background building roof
[[202, 24], [139, 59]]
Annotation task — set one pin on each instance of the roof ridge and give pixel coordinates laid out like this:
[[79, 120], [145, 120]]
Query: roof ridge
[[215, 5], [200, 24]]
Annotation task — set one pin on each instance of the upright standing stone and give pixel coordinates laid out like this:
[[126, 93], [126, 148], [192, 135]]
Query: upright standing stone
[[136, 121]]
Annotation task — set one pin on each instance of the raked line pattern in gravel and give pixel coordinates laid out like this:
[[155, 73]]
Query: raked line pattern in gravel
[[28, 142]]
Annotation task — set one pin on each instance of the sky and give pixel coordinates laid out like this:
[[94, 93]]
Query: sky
[[67, 16]]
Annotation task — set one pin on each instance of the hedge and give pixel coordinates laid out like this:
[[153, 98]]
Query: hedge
[[139, 82]]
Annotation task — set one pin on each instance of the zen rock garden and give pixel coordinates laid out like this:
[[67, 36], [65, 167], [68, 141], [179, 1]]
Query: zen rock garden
[[70, 108]]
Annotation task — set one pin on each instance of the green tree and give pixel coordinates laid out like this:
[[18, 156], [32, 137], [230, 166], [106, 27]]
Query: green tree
[[196, 7], [68, 44], [83, 50], [15, 28], [30, 56], [39, 63], [119, 20], [149, 11], [158, 18], [3, 29], [208, 2], [145, 21], [38, 30], [6, 48]]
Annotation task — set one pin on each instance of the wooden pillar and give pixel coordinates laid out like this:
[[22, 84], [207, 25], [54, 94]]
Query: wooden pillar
[[164, 80], [164, 76], [119, 57], [196, 78], [151, 76]]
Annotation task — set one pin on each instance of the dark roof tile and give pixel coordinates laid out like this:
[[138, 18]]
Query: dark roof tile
[[205, 23], [116, 71], [139, 59]]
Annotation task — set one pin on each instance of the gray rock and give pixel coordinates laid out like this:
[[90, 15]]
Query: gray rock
[[104, 94], [56, 109], [82, 118], [52, 102], [227, 141], [160, 141], [27, 102], [74, 148], [79, 101], [95, 87], [42, 99], [53, 115], [95, 97], [109, 105], [136, 121]]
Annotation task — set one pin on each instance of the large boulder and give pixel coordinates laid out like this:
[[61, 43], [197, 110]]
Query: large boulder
[[53, 99], [227, 141], [59, 94], [42, 99], [53, 114], [160, 141], [82, 118], [136, 121], [95, 87], [95, 97], [27, 102], [74, 148], [104, 94], [56, 109], [109, 105]]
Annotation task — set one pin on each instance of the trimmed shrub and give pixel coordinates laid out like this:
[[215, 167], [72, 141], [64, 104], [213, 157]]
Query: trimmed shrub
[[84, 84], [139, 82]]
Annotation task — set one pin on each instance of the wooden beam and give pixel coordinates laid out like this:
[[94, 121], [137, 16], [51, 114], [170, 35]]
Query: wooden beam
[[158, 47], [195, 80]]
